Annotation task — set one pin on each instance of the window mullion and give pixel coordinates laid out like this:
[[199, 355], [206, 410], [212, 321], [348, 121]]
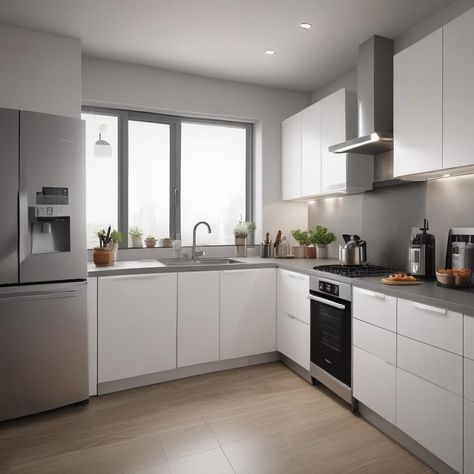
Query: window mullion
[[123, 179]]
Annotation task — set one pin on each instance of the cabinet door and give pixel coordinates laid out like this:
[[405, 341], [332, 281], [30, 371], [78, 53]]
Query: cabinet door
[[458, 94], [468, 437], [92, 332], [137, 325], [198, 317], [374, 383], [375, 308], [333, 131], [291, 157], [293, 339], [293, 291], [469, 336], [432, 416], [311, 150], [248, 312], [417, 89]]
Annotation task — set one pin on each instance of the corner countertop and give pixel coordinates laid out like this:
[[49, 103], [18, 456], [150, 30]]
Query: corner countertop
[[429, 293]]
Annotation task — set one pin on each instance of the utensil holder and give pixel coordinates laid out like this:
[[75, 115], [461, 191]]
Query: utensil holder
[[266, 250]]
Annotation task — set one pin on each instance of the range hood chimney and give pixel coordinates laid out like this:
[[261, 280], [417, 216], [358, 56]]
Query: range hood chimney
[[375, 99]]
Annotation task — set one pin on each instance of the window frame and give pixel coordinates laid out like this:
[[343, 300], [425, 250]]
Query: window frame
[[174, 122]]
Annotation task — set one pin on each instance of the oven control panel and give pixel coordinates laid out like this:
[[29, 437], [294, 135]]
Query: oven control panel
[[328, 288]]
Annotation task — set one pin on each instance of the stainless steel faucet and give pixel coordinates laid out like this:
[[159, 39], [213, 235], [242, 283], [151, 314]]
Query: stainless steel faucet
[[193, 254]]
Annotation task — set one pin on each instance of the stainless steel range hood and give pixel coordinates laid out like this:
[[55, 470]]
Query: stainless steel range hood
[[375, 99]]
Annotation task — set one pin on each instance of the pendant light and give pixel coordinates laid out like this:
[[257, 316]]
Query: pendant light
[[102, 147]]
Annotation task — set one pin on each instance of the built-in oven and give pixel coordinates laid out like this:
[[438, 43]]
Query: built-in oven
[[331, 335]]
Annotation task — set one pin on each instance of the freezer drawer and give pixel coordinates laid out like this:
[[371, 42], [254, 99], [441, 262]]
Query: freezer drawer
[[43, 348]]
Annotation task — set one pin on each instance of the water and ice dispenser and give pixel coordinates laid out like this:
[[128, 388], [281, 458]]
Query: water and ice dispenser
[[49, 219]]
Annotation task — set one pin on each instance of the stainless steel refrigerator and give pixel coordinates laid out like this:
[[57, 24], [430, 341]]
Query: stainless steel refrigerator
[[43, 263]]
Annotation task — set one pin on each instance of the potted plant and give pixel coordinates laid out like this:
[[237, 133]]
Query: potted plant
[[150, 242], [103, 254], [301, 236], [321, 238], [136, 235], [115, 239], [241, 232]]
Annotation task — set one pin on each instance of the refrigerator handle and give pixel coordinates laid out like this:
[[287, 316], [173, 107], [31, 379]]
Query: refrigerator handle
[[24, 248], [16, 297]]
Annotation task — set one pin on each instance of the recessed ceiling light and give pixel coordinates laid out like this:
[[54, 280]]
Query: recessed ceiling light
[[306, 26], [269, 52]]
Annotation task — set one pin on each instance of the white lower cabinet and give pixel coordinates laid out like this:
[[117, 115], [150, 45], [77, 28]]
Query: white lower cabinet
[[374, 370], [136, 325], [293, 339], [92, 333], [432, 416], [248, 312], [198, 317], [468, 437]]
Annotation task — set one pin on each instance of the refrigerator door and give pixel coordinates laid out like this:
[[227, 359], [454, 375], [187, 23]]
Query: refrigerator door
[[52, 241], [43, 348], [9, 196]]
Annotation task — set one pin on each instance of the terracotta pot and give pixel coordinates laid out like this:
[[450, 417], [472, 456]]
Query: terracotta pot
[[311, 252], [321, 251], [299, 251], [150, 243], [103, 257], [240, 247]]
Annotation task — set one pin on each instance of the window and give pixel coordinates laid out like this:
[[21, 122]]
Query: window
[[164, 173]]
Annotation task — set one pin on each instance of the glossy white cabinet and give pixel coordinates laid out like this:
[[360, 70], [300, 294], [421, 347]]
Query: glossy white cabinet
[[469, 336], [136, 325], [293, 339], [374, 368], [291, 157], [418, 107], [375, 308], [445, 327], [458, 93], [292, 294], [198, 317], [311, 150], [248, 312], [92, 333], [468, 437], [432, 416]]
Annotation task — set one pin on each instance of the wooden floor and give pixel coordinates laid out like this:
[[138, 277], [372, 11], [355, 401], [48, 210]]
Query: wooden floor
[[261, 419]]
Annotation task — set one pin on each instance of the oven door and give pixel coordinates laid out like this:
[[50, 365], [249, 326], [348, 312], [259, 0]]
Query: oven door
[[331, 335]]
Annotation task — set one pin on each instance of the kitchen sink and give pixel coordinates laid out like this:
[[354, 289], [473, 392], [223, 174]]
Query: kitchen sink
[[171, 262]]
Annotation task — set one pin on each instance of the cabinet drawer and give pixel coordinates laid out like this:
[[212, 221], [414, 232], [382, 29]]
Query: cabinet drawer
[[469, 379], [435, 365], [432, 416], [293, 291], [469, 336], [374, 383], [293, 339], [375, 308], [436, 326], [468, 437], [377, 341]]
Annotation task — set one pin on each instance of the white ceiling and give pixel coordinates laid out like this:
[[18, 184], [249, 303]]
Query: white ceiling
[[226, 38]]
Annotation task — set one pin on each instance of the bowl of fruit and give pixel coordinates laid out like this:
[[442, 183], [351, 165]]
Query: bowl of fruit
[[454, 277]]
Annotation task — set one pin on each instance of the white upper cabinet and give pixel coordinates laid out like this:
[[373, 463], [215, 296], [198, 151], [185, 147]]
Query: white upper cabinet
[[458, 93], [418, 107], [291, 157], [310, 133], [311, 150]]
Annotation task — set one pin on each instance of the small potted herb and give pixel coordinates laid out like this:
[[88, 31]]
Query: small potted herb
[[115, 239], [241, 232], [321, 238], [302, 237], [136, 234], [150, 242], [103, 254]]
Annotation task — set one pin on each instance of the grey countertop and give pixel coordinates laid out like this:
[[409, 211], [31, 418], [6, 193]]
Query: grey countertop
[[427, 293]]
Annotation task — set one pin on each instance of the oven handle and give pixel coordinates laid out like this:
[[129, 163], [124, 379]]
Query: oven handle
[[328, 302]]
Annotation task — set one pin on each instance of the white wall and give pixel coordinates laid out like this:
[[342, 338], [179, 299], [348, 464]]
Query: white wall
[[348, 81], [39, 71], [114, 84]]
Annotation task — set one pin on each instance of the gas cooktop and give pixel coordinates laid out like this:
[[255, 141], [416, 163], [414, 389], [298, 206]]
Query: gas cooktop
[[356, 271]]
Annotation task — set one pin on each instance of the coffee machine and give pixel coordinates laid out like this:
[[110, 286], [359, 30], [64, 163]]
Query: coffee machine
[[421, 256], [460, 249]]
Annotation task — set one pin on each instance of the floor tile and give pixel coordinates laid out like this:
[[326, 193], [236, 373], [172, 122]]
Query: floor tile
[[208, 462]]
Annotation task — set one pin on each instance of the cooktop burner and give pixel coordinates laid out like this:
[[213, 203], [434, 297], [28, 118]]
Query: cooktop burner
[[354, 271]]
